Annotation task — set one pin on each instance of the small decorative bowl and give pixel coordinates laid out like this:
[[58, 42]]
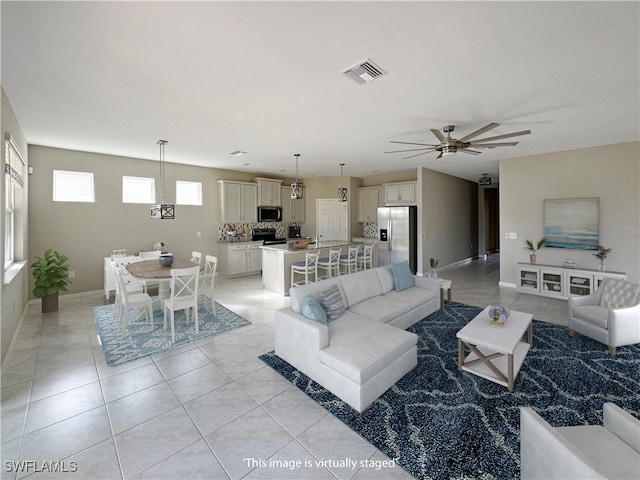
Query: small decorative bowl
[[166, 259]]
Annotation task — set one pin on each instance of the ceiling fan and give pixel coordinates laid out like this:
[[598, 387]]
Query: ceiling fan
[[449, 145]]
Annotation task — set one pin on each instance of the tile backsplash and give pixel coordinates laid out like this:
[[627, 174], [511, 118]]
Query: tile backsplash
[[282, 228], [370, 229]]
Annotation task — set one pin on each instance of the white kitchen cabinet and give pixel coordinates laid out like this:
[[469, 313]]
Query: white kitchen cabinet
[[238, 201], [560, 282], [369, 199], [242, 258], [269, 192], [292, 210], [400, 193]]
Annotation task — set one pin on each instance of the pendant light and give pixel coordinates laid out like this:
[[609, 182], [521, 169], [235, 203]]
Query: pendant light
[[162, 211], [297, 187], [342, 192]]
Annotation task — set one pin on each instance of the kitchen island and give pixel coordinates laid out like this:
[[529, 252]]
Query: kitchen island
[[277, 260]]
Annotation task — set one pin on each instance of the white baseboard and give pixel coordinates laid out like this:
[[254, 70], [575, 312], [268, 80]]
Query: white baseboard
[[507, 285], [34, 301]]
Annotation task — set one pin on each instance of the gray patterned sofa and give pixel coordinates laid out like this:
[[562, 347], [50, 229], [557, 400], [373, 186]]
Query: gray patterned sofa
[[361, 354]]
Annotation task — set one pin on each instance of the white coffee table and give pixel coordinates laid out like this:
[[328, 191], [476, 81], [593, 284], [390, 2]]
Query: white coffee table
[[497, 353]]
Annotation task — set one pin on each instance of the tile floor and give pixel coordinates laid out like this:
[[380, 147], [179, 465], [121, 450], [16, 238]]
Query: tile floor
[[210, 409]]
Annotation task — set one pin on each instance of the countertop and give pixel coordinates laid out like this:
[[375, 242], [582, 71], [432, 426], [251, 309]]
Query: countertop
[[284, 248]]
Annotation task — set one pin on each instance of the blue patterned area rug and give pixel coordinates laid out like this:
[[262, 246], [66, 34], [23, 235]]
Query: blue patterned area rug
[[141, 339], [441, 423]]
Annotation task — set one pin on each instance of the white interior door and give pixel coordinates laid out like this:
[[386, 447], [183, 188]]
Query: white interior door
[[332, 219]]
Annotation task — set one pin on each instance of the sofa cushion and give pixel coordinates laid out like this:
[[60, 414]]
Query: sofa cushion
[[359, 348], [593, 314], [619, 293], [413, 297], [332, 302], [312, 310], [313, 289], [360, 286], [381, 308], [385, 275], [402, 275]]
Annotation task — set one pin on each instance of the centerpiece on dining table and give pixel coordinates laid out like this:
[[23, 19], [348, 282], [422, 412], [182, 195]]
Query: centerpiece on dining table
[[166, 259], [498, 315]]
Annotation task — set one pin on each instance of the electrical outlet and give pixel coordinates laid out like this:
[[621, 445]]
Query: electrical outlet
[[198, 234], [72, 274]]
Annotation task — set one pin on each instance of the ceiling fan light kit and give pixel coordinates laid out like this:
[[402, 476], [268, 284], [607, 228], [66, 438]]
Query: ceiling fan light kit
[[449, 145]]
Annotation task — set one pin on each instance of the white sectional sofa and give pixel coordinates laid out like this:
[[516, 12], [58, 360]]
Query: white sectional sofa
[[361, 354]]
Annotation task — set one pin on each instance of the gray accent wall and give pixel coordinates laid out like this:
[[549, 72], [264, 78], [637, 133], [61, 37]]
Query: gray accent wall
[[611, 173]]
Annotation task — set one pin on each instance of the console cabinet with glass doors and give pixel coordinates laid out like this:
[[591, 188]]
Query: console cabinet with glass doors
[[559, 282]]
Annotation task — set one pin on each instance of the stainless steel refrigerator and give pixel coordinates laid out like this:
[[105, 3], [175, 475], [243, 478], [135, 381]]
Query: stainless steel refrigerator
[[397, 236]]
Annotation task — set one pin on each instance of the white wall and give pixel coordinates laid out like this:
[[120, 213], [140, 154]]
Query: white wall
[[610, 172]]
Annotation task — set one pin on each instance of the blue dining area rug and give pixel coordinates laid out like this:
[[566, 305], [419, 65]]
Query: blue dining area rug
[[440, 423], [141, 339]]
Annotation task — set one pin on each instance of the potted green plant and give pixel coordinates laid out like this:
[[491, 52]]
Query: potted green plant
[[534, 247], [51, 274]]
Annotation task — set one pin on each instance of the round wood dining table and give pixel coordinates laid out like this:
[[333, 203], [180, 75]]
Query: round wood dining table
[[152, 270]]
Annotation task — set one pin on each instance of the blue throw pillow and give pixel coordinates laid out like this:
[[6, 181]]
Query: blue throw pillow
[[331, 300], [402, 276], [312, 310]]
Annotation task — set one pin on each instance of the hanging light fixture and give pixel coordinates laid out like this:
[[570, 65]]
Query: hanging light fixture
[[297, 187], [162, 211], [342, 192]]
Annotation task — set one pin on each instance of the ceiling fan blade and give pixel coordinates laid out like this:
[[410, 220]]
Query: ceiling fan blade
[[499, 137], [439, 156], [466, 150], [413, 143], [410, 150], [416, 155], [491, 145], [438, 134], [480, 131]]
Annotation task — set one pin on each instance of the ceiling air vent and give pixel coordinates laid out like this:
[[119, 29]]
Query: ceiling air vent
[[363, 72]]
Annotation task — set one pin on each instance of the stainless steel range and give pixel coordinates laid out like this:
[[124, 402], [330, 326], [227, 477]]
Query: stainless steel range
[[267, 235]]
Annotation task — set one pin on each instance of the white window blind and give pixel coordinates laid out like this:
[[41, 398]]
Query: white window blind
[[71, 186], [138, 190], [188, 193], [14, 171]]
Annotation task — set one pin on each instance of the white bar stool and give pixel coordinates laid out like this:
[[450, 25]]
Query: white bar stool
[[310, 265], [331, 263]]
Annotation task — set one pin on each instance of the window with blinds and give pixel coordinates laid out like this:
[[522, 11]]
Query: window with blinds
[[14, 177]]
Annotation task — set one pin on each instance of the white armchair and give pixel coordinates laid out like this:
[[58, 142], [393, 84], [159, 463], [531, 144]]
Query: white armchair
[[583, 452], [611, 315]]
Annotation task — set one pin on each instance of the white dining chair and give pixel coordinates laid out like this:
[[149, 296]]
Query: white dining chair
[[196, 257], [210, 268], [330, 264], [365, 258], [306, 268], [350, 261], [128, 301], [150, 255], [184, 296]]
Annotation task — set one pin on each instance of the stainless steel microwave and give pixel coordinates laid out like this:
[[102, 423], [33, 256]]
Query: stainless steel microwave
[[269, 214]]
